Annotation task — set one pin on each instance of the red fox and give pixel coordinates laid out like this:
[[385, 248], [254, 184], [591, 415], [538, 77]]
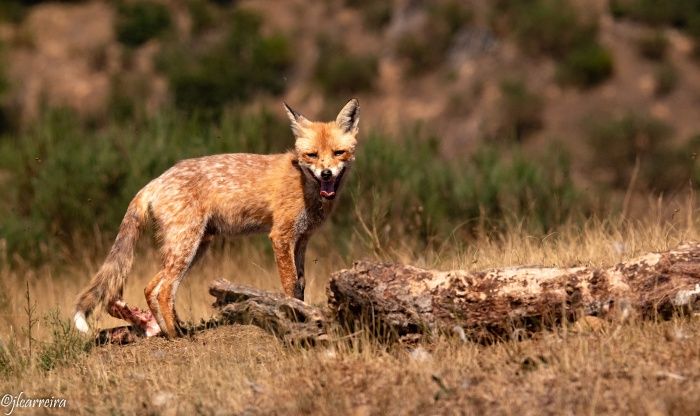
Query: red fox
[[286, 195]]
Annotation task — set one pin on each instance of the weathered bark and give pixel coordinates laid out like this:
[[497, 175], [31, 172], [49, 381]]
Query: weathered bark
[[405, 300], [289, 319]]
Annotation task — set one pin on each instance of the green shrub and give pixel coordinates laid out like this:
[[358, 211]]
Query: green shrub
[[425, 49], [665, 80], [202, 15], [554, 28], [682, 14], [617, 143], [12, 11], [377, 14], [339, 72], [5, 119], [141, 21], [66, 345], [244, 63], [521, 111], [585, 66], [421, 193], [549, 27], [691, 151], [653, 46]]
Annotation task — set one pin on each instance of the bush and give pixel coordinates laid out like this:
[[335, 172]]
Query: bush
[[244, 63], [617, 143], [377, 14], [427, 48], [341, 73], [66, 344], [141, 21], [421, 193], [522, 111], [666, 80], [5, 120], [554, 28], [548, 27], [12, 11], [682, 14], [653, 46], [202, 15], [585, 66]]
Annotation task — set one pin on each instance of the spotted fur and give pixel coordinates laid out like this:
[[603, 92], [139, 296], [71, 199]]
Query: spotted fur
[[230, 194]]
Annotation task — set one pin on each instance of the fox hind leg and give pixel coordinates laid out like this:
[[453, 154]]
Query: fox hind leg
[[179, 251]]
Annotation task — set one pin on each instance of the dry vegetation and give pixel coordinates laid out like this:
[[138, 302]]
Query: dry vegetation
[[494, 86], [638, 367]]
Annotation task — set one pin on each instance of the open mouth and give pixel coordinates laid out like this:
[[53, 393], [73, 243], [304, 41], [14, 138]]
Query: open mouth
[[330, 187]]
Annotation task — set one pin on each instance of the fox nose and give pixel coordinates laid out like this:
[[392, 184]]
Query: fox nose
[[326, 174]]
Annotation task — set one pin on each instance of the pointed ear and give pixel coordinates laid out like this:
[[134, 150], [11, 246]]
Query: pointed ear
[[349, 117], [296, 120]]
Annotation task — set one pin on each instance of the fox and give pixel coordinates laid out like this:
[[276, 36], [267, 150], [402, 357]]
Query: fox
[[287, 195]]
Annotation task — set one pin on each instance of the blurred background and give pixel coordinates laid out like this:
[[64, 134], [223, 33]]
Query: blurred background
[[475, 115]]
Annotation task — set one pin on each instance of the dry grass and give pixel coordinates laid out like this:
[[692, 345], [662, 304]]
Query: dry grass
[[638, 367]]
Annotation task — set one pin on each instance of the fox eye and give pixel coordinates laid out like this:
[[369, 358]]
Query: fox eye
[[339, 153], [312, 155]]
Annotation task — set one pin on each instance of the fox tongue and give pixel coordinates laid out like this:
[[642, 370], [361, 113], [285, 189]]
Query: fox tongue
[[328, 189]]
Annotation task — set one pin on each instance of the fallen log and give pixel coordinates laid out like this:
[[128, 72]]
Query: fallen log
[[407, 300], [287, 318]]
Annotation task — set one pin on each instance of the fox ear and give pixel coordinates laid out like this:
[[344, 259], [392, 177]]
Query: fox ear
[[349, 117], [296, 120]]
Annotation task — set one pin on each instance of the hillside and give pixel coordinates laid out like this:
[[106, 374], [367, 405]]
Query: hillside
[[468, 70]]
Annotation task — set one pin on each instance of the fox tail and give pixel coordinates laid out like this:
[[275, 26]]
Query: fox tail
[[107, 286]]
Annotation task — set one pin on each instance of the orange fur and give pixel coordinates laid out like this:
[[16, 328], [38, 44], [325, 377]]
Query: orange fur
[[287, 195]]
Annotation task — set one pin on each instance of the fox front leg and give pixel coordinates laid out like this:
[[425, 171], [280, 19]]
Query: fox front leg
[[283, 247], [299, 254]]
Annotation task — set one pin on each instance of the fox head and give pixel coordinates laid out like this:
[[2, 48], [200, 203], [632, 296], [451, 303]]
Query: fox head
[[325, 151]]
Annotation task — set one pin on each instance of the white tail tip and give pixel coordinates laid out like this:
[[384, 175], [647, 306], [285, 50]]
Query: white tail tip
[[80, 322]]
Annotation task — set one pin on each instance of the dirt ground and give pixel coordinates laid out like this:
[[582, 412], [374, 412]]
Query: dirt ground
[[640, 368]]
